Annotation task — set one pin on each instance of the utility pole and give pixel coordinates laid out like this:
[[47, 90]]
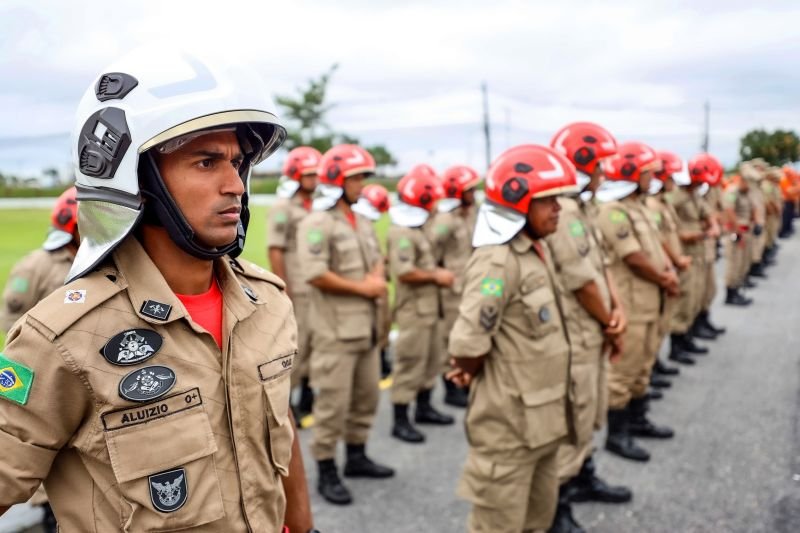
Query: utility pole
[[487, 135], [707, 110]]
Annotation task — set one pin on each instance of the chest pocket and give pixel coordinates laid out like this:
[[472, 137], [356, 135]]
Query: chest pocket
[[540, 306], [165, 467], [274, 376], [348, 256]]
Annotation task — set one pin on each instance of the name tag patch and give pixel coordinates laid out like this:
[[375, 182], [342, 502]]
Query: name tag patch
[[276, 367], [145, 413]]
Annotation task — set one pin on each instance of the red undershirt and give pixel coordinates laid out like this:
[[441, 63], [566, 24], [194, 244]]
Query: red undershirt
[[206, 310], [307, 203], [351, 217]]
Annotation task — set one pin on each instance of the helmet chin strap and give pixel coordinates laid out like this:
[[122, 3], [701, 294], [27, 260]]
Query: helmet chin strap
[[161, 210]]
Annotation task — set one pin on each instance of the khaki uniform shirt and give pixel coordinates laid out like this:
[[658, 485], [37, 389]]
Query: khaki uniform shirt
[[35, 276], [666, 220], [284, 218], [691, 214], [578, 259], [451, 239], [740, 203], [626, 229], [134, 417], [511, 313], [410, 249], [329, 243], [758, 202], [772, 193]]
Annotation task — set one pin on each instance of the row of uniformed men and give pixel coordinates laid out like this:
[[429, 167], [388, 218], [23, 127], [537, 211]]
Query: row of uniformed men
[[641, 246]]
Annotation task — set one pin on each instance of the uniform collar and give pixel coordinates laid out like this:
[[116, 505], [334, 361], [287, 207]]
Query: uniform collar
[[521, 243], [62, 254]]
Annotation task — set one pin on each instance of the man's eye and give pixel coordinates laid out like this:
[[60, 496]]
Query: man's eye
[[206, 163], [237, 163]]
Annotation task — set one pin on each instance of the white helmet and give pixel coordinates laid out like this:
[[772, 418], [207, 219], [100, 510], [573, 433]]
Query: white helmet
[[158, 99]]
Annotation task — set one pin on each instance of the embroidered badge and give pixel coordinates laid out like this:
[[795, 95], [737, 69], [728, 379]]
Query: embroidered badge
[[75, 296], [492, 287], [151, 411], [403, 243], [442, 229], [544, 314], [169, 490], [250, 293], [488, 317], [19, 285], [617, 216], [622, 233], [576, 228], [315, 238], [280, 218], [157, 310], [15, 380], [147, 383], [583, 249], [131, 347]]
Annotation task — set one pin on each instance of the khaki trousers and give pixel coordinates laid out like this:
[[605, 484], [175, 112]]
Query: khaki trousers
[[737, 260], [759, 243], [511, 497], [417, 361], [301, 303], [686, 304], [346, 400], [629, 377]]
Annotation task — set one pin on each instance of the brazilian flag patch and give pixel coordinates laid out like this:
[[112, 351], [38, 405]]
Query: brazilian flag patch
[[280, 218], [492, 287], [576, 228], [15, 380], [315, 236], [404, 243]]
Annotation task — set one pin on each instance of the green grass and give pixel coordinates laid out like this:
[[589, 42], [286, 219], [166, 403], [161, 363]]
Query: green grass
[[24, 230]]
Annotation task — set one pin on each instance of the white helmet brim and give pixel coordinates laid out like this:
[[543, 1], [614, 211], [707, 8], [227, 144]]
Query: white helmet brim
[[56, 239], [655, 186], [408, 216], [447, 205], [611, 191], [364, 208], [496, 225], [287, 187]]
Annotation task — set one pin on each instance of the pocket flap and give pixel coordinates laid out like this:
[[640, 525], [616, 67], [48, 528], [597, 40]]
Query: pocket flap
[[543, 396], [163, 443]]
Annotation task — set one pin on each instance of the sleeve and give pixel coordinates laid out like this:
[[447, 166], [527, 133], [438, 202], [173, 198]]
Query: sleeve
[[704, 209], [569, 248], [278, 225], [617, 231], [314, 246], [439, 233], [20, 293], [729, 199], [42, 405], [486, 293], [402, 251]]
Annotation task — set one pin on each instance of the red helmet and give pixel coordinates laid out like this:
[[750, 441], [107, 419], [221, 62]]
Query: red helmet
[[343, 161], [458, 179], [585, 144], [671, 163], [632, 158], [705, 168], [422, 170], [528, 171], [63, 220], [377, 195], [420, 189], [302, 161]]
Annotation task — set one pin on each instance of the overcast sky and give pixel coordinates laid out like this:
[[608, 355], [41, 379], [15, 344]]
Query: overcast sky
[[410, 72]]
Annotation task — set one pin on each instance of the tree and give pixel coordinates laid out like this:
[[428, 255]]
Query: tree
[[306, 113], [776, 148]]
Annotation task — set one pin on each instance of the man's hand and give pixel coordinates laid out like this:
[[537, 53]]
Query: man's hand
[[614, 346], [464, 369], [669, 282], [618, 323], [683, 262], [373, 286], [443, 277]]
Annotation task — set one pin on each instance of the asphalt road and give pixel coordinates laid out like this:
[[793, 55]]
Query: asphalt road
[[734, 465]]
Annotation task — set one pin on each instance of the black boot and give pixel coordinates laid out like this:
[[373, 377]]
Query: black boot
[[734, 297], [757, 270], [306, 402], [688, 345], [749, 283], [706, 321], [330, 486], [619, 440], [426, 414], [402, 428], [677, 353], [655, 394], [701, 331], [640, 426], [564, 522], [665, 370], [659, 382], [386, 364], [587, 487], [455, 396], [359, 465]]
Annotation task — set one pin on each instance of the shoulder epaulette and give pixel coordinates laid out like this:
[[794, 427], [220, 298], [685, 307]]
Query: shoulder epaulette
[[252, 270], [66, 305]]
